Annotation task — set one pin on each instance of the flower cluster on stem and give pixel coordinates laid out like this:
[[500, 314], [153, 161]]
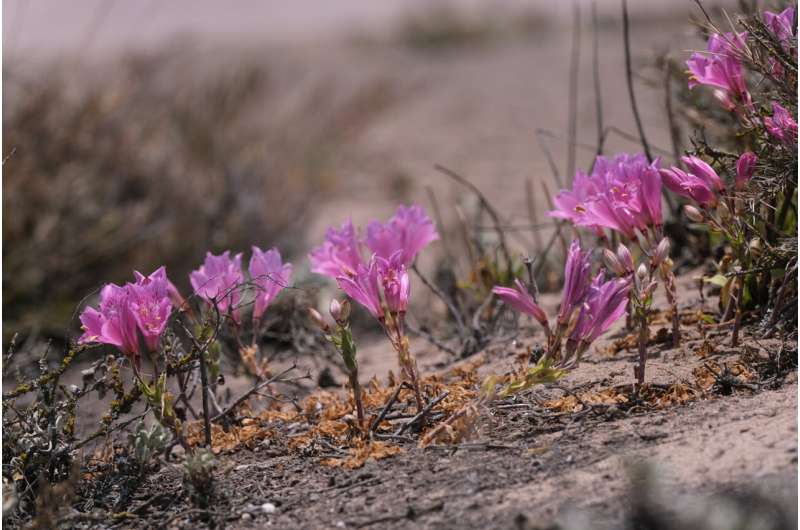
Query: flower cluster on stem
[[380, 283], [589, 306], [622, 194]]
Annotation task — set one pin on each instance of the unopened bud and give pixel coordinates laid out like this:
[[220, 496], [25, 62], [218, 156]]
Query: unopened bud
[[612, 262], [693, 213], [641, 272], [340, 310], [662, 251], [318, 319], [625, 257], [644, 244]]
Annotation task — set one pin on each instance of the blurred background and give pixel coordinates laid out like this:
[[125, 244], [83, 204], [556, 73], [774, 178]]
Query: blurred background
[[140, 133]]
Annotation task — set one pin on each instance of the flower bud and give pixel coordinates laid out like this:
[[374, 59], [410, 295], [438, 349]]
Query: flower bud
[[745, 167], [340, 311], [612, 262], [693, 213], [318, 319], [335, 308], [625, 257], [662, 251], [644, 244], [641, 272]]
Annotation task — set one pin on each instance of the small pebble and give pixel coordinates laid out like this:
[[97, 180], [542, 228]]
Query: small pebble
[[268, 507], [246, 516]]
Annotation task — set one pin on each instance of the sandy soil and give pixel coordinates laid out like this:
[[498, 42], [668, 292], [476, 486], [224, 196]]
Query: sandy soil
[[530, 467]]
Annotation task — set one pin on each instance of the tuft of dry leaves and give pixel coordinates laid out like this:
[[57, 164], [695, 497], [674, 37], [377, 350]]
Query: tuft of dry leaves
[[325, 419]]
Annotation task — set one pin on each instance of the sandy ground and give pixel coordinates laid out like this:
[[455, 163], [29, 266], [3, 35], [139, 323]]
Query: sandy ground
[[527, 467]]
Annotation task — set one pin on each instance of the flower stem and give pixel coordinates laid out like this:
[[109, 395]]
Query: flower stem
[[409, 366], [357, 396], [738, 318], [204, 384], [672, 298], [643, 332]]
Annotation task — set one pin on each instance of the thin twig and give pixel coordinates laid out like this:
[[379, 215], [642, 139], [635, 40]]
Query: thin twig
[[598, 96], [256, 388], [444, 298], [421, 414], [540, 133], [674, 130], [387, 407], [572, 113], [489, 209], [204, 389], [430, 338], [437, 213], [629, 78]]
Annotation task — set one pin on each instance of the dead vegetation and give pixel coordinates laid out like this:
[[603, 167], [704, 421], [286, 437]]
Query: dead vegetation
[[133, 136]]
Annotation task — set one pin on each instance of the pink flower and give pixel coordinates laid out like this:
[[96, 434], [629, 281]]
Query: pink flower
[[604, 304], [409, 230], [781, 24], [571, 204], [151, 304], [394, 282], [521, 300], [380, 280], [364, 287], [699, 168], [720, 67], [689, 186], [114, 323], [621, 194], [745, 167], [217, 281], [269, 275], [340, 254], [781, 125], [128, 312], [701, 183], [576, 280]]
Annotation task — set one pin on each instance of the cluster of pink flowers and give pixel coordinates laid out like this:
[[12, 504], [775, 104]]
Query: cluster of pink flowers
[[220, 278], [589, 306], [621, 194], [721, 67], [142, 309], [383, 277], [701, 183], [128, 312]]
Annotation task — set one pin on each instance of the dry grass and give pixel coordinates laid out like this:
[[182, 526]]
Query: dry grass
[[148, 162]]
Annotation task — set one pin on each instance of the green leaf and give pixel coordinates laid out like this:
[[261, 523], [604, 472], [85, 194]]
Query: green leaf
[[718, 279]]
